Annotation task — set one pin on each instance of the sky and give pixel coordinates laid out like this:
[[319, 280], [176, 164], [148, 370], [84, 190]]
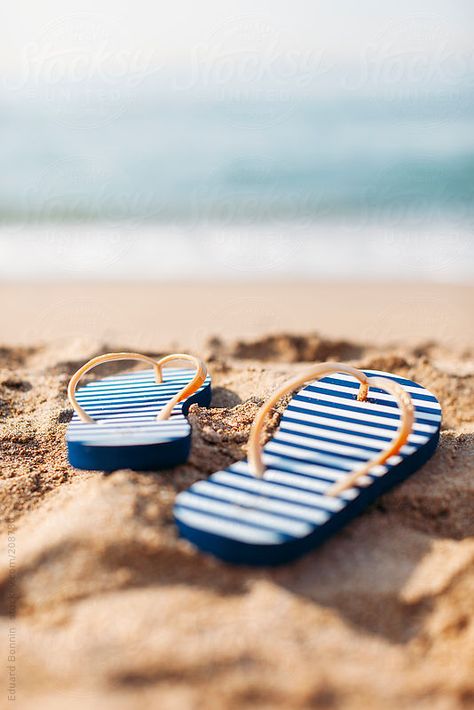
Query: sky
[[50, 39]]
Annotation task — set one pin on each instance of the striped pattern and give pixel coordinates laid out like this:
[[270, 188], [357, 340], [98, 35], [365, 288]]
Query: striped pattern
[[324, 433], [125, 409]]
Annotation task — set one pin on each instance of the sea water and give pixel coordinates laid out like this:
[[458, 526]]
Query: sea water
[[165, 187]]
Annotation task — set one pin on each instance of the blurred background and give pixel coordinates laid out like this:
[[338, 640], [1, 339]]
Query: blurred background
[[237, 141]]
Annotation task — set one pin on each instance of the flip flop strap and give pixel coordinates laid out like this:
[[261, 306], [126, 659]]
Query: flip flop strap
[[256, 465], [165, 412]]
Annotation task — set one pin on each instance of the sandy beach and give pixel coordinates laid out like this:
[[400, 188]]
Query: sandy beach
[[110, 610]]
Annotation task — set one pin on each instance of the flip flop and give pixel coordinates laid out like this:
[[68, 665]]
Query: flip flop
[[335, 451], [135, 420]]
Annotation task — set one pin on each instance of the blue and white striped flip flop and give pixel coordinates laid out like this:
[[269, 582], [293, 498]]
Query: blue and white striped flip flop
[[136, 420], [335, 451]]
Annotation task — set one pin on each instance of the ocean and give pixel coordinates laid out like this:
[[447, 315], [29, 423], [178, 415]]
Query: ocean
[[160, 187]]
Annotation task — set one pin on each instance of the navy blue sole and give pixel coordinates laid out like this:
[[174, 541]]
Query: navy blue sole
[[147, 457], [241, 553]]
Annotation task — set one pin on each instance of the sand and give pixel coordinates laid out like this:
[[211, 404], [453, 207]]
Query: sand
[[104, 607]]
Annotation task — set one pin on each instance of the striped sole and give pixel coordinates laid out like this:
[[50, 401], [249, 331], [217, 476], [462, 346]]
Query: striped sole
[[126, 433], [324, 434]]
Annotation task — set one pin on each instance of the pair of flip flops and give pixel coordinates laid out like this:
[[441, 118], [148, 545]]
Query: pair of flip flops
[[345, 437]]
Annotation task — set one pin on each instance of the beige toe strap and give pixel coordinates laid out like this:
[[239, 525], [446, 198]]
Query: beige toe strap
[[198, 380], [165, 412], [256, 465]]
